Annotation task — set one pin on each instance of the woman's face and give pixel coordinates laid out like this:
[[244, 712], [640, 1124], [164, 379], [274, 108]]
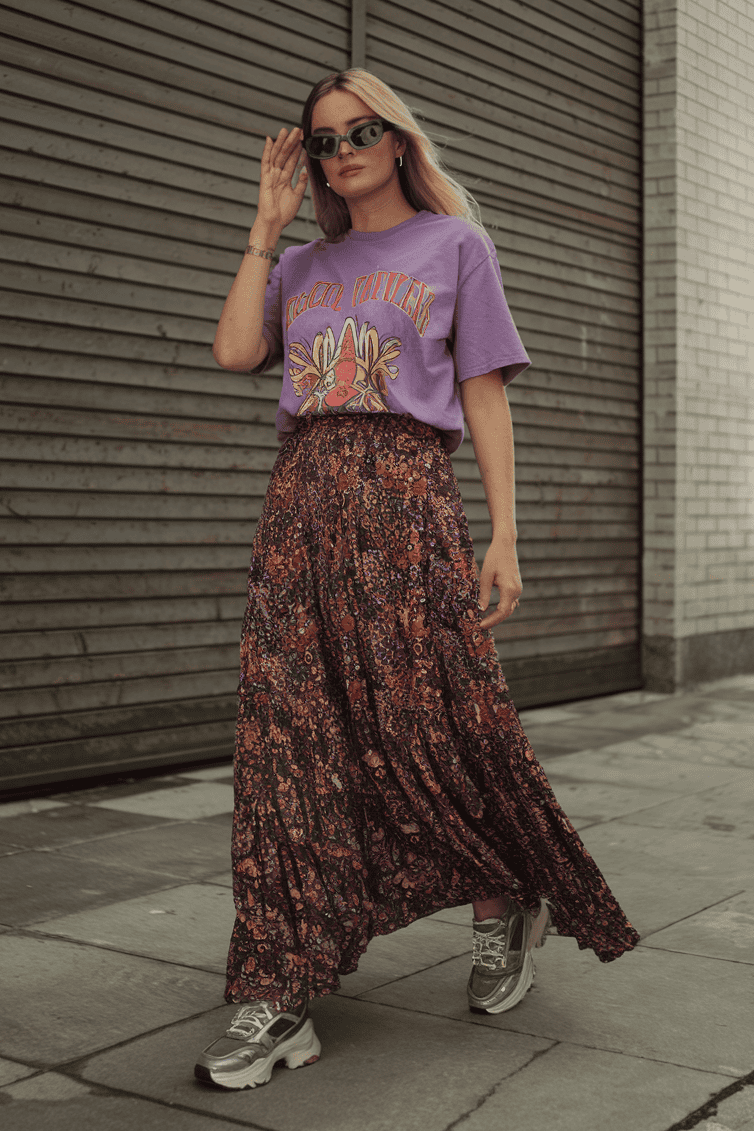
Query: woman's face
[[374, 168]]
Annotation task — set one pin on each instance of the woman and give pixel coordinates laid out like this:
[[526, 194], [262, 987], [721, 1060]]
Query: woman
[[382, 773]]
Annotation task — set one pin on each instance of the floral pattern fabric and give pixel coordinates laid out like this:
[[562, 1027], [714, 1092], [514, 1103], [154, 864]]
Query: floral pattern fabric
[[381, 769]]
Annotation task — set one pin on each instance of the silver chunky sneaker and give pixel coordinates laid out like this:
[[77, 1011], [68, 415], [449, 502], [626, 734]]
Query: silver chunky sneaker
[[259, 1036], [503, 967]]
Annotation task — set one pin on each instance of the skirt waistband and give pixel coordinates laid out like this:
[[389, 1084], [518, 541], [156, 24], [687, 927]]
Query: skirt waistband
[[378, 421]]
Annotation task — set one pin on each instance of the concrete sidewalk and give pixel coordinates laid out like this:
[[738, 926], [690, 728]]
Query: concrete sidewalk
[[116, 913]]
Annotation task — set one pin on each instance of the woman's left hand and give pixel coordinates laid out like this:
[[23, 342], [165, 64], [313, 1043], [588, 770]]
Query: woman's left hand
[[500, 568]]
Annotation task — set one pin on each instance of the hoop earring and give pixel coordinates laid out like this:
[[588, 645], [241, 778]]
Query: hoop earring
[[327, 183], [400, 162]]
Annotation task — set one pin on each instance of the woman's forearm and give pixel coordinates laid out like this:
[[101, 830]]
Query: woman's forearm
[[485, 406], [239, 343]]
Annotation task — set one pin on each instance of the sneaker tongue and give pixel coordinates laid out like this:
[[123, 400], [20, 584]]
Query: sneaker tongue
[[248, 1019], [487, 926]]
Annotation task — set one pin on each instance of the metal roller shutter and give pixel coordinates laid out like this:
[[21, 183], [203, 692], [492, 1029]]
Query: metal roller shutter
[[133, 470], [537, 105]]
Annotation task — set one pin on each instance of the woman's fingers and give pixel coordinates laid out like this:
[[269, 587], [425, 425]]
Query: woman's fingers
[[266, 154], [274, 146], [283, 146], [302, 181], [295, 154], [291, 153]]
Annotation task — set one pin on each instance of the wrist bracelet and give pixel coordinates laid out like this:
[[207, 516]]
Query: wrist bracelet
[[257, 251]]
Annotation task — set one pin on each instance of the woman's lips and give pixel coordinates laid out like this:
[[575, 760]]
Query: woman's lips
[[351, 169]]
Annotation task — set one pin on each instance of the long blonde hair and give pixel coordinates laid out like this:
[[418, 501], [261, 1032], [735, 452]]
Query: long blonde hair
[[425, 183]]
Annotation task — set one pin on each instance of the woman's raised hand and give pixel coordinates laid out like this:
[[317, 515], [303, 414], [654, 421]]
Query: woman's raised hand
[[279, 199]]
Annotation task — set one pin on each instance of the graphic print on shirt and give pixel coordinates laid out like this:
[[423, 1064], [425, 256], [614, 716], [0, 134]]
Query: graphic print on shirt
[[350, 374]]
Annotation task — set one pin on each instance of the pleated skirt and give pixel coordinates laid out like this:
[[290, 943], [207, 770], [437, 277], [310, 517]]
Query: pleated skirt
[[381, 769]]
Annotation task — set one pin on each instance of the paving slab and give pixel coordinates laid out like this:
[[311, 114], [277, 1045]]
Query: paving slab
[[688, 748], [181, 802], [640, 1005], [572, 1088], [723, 931], [553, 740], [225, 878], [223, 773], [190, 924], [122, 787], [737, 736], [83, 1110], [188, 851], [544, 716], [70, 824], [11, 1070], [725, 808], [421, 944], [635, 720], [589, 803], [65, 1000], [660, 876], [48, 1086], [39, 885], [9, 809], [616, 701], [381, 1070], [736, 1113], [676, 776]]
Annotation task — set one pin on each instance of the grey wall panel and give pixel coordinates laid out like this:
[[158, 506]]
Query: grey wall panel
[[133, 469]]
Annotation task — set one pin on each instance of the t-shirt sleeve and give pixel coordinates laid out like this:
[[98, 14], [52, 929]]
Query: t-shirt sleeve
[[272, 328], [485, 336]]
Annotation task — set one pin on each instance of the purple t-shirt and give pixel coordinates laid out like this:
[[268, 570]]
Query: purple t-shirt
[[389, 322]]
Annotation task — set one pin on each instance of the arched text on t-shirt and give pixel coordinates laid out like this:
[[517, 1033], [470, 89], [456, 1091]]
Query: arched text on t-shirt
[[407, 293]]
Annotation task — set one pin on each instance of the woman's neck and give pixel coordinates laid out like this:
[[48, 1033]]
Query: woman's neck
[[379, 212]]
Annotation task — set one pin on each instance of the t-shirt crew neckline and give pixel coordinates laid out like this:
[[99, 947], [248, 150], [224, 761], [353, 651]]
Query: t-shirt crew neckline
[[389, 233]]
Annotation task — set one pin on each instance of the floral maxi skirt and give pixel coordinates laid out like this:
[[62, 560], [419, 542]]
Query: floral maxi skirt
[[381, 770]]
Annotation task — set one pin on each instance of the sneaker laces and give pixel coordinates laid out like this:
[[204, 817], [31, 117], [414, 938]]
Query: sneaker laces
[[486, 947], [250, 1020]]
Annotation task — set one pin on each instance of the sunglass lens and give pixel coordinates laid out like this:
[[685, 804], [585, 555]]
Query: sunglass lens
[[321, 146], [366, 135]]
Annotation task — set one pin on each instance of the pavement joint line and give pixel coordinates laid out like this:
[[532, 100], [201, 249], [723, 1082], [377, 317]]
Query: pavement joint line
[[402, 977], [113, 1090], [692, 914], [538, 1036], [710, 1107], [706, 957], [499, 1084], [643, 808], [163, 822], [140, 869], [25, 932], [78, 1063]]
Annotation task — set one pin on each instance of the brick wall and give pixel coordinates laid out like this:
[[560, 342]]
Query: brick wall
[[699, 341]]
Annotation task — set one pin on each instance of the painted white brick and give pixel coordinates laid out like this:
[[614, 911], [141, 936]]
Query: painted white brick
[[699, 256]]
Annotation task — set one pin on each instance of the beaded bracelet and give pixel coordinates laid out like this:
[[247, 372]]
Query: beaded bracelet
[[256, 251]]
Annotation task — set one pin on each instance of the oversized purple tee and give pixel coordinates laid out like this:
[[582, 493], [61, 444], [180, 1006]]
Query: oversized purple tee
[[389, 322]]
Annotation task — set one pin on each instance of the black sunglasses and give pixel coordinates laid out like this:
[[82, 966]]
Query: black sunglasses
[[324, 146]]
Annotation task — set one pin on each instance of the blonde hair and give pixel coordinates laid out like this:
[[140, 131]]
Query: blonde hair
[[425, 183]]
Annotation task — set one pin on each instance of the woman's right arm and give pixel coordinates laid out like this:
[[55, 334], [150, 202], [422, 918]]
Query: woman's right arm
[[239, 343]]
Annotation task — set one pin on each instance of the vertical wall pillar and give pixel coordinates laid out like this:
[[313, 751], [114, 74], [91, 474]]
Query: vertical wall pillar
[[699, 341]]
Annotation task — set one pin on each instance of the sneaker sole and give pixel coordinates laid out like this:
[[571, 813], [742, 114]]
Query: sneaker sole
[[298, 1051]]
